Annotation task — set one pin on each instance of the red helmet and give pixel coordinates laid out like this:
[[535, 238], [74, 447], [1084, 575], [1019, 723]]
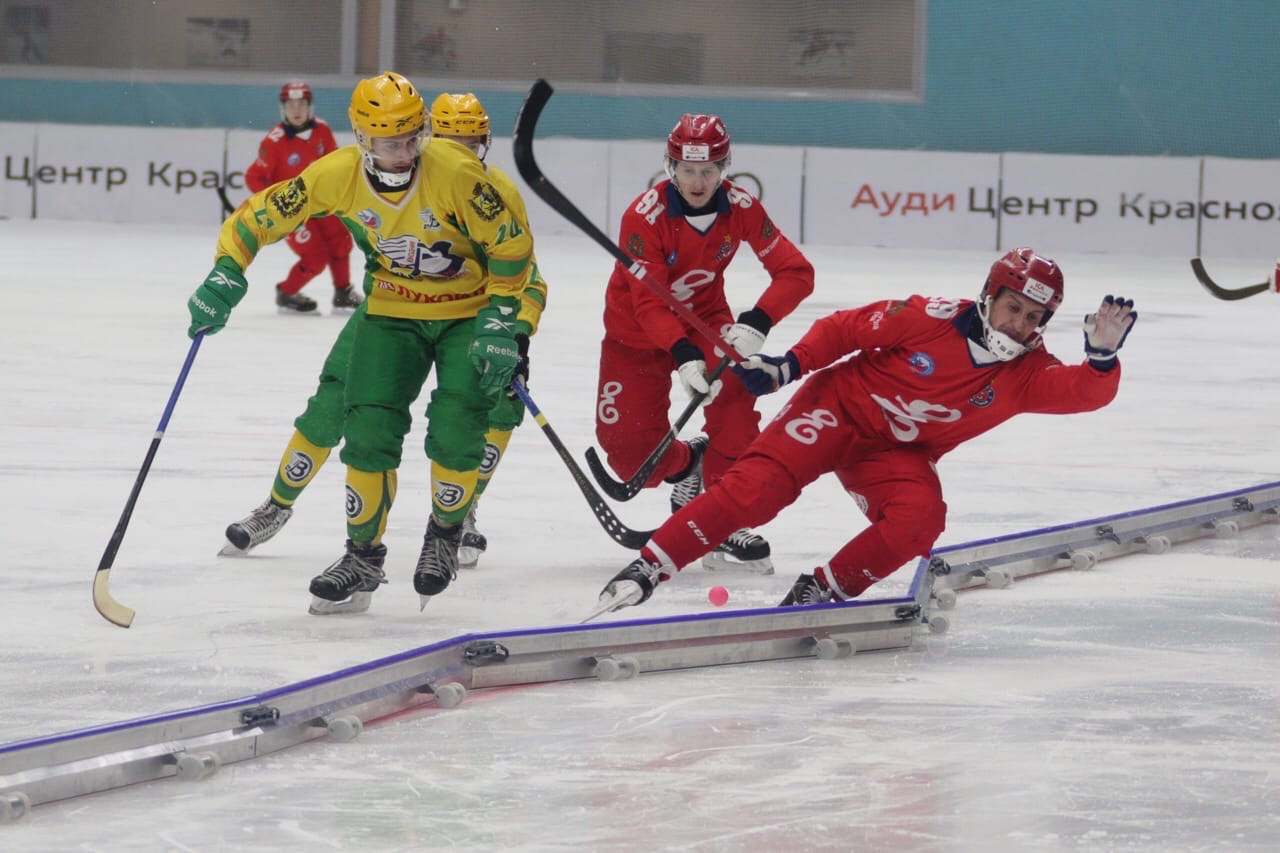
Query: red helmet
[[1023, 271], [294, 90], [698, 139]]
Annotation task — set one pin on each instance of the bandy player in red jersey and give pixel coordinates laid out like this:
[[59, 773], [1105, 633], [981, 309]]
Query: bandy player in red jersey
[[685, 231], [296, 142], [926, 374]]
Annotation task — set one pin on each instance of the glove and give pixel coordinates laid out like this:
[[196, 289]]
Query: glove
[[1106, 329], [211, 304], [747, 335], [494, 352], [763, 374], [692, 368], [522, 366]]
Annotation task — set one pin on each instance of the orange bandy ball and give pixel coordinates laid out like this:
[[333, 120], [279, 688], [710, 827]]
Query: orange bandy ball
[[718, 595]]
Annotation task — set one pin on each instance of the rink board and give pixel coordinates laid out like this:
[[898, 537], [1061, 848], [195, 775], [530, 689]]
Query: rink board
[[192, 743]]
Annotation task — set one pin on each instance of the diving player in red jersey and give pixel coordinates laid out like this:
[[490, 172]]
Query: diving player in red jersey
[[926, 374], [296, 142], [685, 230]]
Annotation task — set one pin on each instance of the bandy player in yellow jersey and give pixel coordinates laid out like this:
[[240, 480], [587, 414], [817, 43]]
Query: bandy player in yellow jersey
[[447, 263], [462, 119]]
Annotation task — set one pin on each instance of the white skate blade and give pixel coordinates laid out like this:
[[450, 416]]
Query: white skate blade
[[357, 603], [229, 550], [422, 601], [625, 594], [468, 558], [719, 561], [290, 312]]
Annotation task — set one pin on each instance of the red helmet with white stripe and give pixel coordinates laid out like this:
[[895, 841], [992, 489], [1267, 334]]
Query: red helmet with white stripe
[[698, 139], [1024, 272], [295, 90]]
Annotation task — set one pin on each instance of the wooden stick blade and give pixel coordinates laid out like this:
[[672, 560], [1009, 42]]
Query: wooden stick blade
[[111, 610]]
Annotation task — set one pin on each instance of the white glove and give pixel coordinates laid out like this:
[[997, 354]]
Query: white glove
[[1106, 329], [693, 376], [692, 369], [748, 334]]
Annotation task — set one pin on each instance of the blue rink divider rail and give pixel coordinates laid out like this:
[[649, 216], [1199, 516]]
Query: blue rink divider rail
[[193, 743]]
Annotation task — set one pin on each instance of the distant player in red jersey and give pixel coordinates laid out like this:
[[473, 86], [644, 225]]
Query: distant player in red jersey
[[295, 143], [926, 374], [685, 230]]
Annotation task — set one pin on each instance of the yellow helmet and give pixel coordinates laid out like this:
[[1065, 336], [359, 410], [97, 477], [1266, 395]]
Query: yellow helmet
[[386, 105], [459, 115]]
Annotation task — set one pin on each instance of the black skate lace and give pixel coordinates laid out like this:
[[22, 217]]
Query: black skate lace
[[352, 568], [814, 594], [261, 520], [438, 559], [743, 537]]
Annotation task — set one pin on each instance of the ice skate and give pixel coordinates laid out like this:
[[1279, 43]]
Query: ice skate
[[346, 298], [689, 483], [473, 542], [255, 528], [806, 590], [294, 303], [438, 562], [744, 551], [629, 587], [348, 585]]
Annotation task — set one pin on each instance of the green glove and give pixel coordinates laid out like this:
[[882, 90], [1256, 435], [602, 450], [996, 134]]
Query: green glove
[[494, 352], [211, 304]]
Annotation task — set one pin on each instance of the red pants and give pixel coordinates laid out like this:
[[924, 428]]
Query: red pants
[[319, 243], [895, 486], [633, 398]]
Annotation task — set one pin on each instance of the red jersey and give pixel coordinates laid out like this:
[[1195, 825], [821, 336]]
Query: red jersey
[[284, 153], [691, 262], [917, 378]]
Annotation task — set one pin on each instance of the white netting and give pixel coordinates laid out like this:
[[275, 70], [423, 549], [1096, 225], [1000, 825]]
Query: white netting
[[827, 48]]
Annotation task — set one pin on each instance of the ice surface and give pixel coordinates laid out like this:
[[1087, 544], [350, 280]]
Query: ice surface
[[1132, 707]]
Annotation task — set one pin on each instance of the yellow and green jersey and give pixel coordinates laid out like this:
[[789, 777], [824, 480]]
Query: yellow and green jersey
[[436, 250], [535, 289]]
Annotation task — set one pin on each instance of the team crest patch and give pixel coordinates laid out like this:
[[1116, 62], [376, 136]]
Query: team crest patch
[[294, 159], [299, 467], [726, 249], [369, 219], [486, 201], [492, 455], [984, 397], [921, 364], [767, 229], [635, 246], [355, 503], [289, 199], [448, 495], [429, 220]]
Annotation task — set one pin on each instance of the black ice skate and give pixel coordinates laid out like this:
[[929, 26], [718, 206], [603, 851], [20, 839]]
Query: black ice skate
[[688, 483], [806, 590], [348, 585], [346, 298], [473, 542], [629, 587], [294, 303], [744, 551], [438, 562], [255, 528]]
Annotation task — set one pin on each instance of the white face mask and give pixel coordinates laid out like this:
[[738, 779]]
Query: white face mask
[[392, 159], [998, 343]]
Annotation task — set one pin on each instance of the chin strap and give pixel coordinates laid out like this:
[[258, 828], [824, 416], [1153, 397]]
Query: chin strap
[[997, 343]]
